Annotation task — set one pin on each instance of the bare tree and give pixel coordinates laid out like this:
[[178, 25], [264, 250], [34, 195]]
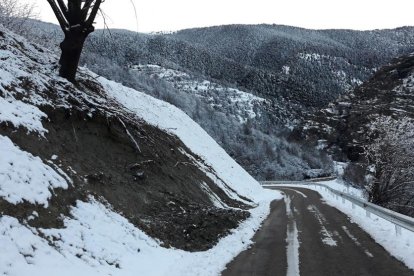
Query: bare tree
[[14, 14], [76, 18]]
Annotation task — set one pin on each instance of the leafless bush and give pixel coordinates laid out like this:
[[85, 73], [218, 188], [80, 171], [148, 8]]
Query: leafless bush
[[14, 14], [391, 156], [354, 173]]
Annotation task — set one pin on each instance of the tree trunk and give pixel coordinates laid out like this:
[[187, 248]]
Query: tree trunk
[[71, 48]]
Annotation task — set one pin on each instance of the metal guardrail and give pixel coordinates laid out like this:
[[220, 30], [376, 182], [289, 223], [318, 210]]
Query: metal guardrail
[[399, 220], [297, 182]]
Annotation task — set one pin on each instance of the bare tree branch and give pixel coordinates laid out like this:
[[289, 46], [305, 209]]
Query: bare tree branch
[[85, 9], [64, 24], [63, 7], [93, 13]]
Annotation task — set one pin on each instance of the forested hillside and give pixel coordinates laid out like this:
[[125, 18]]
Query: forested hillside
[[247, 85], [319, 64]]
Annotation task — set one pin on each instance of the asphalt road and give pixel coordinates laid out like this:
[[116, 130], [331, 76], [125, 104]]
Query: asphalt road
[[304, 236]]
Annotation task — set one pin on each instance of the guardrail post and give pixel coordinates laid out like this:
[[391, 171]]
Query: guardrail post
[[368, 213], [353, 205], [343, 200], [397, 230]]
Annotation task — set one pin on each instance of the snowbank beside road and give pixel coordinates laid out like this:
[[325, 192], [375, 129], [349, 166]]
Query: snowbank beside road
[[341, 186], [98, 241]]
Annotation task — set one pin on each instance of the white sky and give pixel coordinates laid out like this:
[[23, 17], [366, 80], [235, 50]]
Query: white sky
[[171, 15]]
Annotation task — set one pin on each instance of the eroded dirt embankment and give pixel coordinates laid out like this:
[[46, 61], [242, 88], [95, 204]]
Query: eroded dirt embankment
[[136, 168]]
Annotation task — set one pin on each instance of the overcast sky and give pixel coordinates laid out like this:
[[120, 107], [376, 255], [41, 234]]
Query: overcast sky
[[171, 15]]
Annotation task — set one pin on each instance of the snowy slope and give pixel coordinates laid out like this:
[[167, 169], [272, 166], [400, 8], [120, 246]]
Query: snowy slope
[[96, 240], [24, 176]]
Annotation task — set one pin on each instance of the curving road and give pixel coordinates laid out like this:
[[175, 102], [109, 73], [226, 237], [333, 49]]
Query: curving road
[[304, 236]]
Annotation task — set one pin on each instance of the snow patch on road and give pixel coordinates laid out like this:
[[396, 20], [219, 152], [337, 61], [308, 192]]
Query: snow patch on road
[[288, 204], [327, 237], [355, 240], [296, 191], [292, 250], [292, 241]]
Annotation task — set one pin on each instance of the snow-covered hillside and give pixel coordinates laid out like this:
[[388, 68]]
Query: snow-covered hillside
[[242, 105], [94, 176]]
